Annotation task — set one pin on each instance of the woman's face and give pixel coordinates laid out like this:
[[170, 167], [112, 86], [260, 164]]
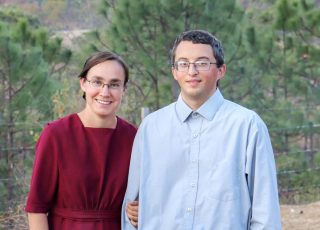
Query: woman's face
[[104, 88]]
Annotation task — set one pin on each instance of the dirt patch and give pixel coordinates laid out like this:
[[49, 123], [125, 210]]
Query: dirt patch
[[301, 217], [68, 36]]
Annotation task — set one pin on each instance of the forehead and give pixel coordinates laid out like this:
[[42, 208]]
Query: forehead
[[191, 51], [108, 70]]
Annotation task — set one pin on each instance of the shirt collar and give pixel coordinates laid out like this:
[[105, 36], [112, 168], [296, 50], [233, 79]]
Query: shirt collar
[[182, 109], [207, 110]]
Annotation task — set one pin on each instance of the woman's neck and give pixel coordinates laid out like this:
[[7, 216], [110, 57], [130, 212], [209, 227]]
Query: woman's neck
[[95, 121]]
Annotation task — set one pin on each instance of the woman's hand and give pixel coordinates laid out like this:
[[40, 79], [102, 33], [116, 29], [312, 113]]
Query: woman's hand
[[132, 211]]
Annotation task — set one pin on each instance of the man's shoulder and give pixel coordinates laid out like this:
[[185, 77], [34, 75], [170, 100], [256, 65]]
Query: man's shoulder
[[161, 113], [235, 107], [240, 112], [159, 118]]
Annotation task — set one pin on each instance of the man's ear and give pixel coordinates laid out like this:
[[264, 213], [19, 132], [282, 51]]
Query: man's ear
[[222, 71], [174, 73]]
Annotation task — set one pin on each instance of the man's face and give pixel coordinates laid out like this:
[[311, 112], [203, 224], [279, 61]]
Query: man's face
[[197, 85]]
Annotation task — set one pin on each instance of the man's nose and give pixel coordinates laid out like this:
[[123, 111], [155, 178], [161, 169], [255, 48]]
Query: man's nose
[[192, 69]]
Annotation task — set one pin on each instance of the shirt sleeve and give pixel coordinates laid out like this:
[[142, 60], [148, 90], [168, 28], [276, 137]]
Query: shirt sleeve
[[262, 181], [45, 174], [132, 192]]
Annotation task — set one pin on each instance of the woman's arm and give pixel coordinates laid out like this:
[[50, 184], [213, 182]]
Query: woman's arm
[[38, 221]]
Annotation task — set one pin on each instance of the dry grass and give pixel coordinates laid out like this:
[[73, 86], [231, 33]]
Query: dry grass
[[14, 219], [301, 217], [294, 217]]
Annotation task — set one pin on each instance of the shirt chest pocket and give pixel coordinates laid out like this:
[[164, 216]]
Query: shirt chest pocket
[[224, 182]]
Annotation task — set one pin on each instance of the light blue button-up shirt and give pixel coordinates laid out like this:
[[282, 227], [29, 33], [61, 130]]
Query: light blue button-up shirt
[[209, 169]]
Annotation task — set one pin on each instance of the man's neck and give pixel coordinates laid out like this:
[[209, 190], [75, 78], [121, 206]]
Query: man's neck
[[197, 102]]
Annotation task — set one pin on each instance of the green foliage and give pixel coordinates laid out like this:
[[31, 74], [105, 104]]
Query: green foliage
[[298, 183], [272, 54], [272, 58], [30, 63], [282, 69], [67, 99], [13, 15], [289, 102], [143, 33]]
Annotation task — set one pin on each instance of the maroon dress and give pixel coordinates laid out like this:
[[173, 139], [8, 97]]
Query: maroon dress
[[80, 174]]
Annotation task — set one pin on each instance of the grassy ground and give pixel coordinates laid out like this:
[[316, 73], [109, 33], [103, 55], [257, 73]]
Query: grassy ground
[[294, 217], [301, 217]]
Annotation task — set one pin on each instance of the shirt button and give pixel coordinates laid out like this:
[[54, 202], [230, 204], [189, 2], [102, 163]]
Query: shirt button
[[194, 161], [195, 135], [189, 209], [193, 185]]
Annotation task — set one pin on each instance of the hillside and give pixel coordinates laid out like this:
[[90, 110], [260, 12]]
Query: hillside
[[63, 14]]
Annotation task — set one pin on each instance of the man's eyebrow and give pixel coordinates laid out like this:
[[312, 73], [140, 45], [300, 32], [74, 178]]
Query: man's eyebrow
[[198, 58], [203, 57], [115, 80], [182, 59]]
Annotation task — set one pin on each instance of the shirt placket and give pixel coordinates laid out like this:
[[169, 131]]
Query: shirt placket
[[194, 124]]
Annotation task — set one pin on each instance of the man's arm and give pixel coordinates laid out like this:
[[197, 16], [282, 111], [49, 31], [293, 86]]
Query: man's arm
[[262, 180], [38, 221], [132, 193]]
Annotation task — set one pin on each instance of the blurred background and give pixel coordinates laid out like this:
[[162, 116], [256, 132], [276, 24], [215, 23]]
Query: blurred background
[[272, 50]]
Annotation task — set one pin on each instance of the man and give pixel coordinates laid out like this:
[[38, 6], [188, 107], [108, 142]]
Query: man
[[202, 162]]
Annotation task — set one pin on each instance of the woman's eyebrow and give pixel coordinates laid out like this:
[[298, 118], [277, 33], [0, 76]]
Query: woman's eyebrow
[[97, 77], [102, 79]]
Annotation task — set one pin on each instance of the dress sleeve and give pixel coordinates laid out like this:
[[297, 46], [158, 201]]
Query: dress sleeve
[[44, 178], [262, 181], [132, 192]]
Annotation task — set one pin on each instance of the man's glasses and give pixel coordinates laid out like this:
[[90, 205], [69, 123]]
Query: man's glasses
[[201, 65], [99, 85]]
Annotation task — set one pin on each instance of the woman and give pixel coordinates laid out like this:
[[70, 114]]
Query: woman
[[82, 160]]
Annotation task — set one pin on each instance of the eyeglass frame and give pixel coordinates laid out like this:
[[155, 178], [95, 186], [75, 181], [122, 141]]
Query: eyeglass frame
[[101, 85], [195, 65]]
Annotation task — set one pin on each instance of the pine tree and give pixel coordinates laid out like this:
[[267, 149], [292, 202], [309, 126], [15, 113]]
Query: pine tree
[[29, 61], [143, 32]]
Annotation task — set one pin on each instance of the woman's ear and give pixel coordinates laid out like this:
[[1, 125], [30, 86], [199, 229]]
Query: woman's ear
[[82, 81], [125, 87]]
